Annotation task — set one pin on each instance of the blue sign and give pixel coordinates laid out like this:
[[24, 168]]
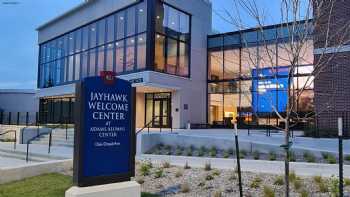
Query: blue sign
[[269, 89], [106, 135]]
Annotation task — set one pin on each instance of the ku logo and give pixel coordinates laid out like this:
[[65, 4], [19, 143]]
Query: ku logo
[[108, 77]]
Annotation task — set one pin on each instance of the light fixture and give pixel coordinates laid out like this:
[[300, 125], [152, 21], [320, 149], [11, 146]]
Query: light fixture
[[132, 41], [92, 29], [173, 23], [141, 39], [141, 10], [117, 43], [158, 36], [109, 45], [121, 18], [158, 17]]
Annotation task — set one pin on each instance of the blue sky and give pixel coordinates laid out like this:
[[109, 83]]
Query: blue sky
[[18, 37]]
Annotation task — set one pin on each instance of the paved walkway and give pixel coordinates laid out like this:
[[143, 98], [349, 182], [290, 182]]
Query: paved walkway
[[257, 166]]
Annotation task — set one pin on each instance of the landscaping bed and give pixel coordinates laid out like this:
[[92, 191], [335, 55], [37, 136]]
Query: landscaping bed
[[214, 152], [166, 180]]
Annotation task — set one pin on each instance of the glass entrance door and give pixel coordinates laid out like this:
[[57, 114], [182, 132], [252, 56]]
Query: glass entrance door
[[158, 109]]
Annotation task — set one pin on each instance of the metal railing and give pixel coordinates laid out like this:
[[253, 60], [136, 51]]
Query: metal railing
[[151, 123], [38, 136], [11, 131]]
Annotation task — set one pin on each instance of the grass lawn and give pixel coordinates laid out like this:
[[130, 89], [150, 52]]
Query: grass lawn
[[49, 185]]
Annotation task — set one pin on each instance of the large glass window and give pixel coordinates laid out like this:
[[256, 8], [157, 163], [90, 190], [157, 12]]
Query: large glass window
[[141, 51], [131, 23], [172, 40], [110, 28], [216, 68], [119, 56], [101, 24], [130, 54], [231, 64], [109, 57]]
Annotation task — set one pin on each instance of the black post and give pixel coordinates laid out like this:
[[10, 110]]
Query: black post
[[66, 129], [50, 141], [18, 113], [1, 117], [27, 152], [14, 145], [340, 135], [10, 118], [238, 163], [27, 118]]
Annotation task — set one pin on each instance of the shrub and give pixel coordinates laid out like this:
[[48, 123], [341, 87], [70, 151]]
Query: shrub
[[268, 192], [323, 187], [213, 151], [166, 164], [185, 188], [347, 182], [186, 166], [279, 181], [317, 179], [292, 156], [309, 157], [304, 193], [189, 152], [256, 155], [297, 183], [233, 176], [207, 166], [242, 154], [209, 177], [216, 173], [226, 154], [292, 176], [331, 159], [203, 149], [347, 158], [217, 194], [178, 173], [167, 147], [158, 173], [178, 151], [200, 153], [334, 185], [256, 182], [272, 156], [145, 168], [230, 151]]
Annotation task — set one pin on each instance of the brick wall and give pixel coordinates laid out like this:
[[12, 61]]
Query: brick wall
[[332, 84]]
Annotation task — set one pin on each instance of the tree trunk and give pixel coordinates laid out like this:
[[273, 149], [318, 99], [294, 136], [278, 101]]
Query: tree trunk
[[286, 161]]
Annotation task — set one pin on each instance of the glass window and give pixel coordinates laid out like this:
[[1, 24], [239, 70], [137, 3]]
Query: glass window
[[171, 56], [267, 56], [216, 65], [215, 42], [305, 82], [60, 71], [160, 18], [141, 51], [184, 28], [109, 57], [305, 69], [130, 54], [249, 61], [231, 64], [52, 46], [231, 106], [71, 43], [142, 17], [84, 64], [183, 60], [100, 59], [110, 28], [92, 62], [285, 56], [215, 88], [267, 34], [131, 21], [93, 35], [306, 55], [306, 101], [101, 31], [85, 35], [120, 25], [77, 40], [232, 40], [119, 56], [60, 49], [77, 67], [216, 108], [249, 37], [231, 87], [66, 69], [159, 53], [70, 68]]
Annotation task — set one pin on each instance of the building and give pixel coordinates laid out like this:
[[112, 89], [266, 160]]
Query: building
[[160, 46], [182, 73], [13, 113]]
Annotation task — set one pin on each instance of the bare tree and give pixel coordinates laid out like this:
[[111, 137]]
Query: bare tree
[[301, 26]]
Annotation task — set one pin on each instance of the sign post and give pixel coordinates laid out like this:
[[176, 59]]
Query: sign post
[[104, 139], [340, 135]]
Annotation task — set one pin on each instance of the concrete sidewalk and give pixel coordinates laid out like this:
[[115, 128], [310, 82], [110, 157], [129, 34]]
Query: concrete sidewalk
[[256, 166]]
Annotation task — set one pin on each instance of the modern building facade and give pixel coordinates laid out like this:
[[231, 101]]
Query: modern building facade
[[159, 46], [182, 72]]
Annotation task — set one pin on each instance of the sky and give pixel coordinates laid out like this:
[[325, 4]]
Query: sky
[[18, 37]]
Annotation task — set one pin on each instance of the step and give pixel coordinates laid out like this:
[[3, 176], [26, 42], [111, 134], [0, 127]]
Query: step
[[44, 156], [54, 143], [22, 157], [55, 138]]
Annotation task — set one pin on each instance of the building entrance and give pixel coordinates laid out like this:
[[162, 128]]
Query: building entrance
[[158, 109]]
